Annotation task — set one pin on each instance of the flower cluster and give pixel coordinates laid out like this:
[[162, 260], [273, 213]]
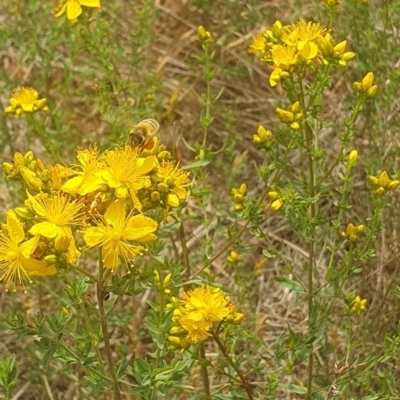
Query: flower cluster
[[26, 100], [196, 313], [366, 87], [292, 49], [352, 232], [277, 201], [238, 196], [358, 305], [383, 184], [292, 116], [203, 35], [104, 198], [263, 137]]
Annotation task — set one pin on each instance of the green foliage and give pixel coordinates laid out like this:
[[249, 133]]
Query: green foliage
[[320, 298]]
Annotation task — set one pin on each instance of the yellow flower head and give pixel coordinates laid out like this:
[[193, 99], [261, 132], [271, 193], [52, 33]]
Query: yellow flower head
[[203, 35], [238, 196], [284, 57], [277, 201], [258, 45], [171, 183], [57, 213], [197, 311], [17, 254], [366, 86], [88, 163], [351, 159], [352, 232], [383, 184], [115, 232], [358, 305], [263, 136], [233, 257], [26, 100], [303, 32], [73, 8], [120, 172], [292, 116]]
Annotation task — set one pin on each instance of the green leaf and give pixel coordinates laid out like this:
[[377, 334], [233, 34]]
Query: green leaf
[[297, 389], [292, 285], [197, 164]]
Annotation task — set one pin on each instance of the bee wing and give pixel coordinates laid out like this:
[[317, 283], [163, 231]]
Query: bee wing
[[171, 137]]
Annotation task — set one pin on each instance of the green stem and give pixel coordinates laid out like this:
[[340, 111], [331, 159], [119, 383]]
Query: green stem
[[103, 323], [204, 372], [208, 100], [83, 272], [311, 258], [94, 338], [244, 381]]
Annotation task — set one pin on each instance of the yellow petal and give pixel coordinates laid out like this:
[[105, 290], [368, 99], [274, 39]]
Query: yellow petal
[[138, 227], [74, 10], [15, 229], [90, 3], [46, 229], [37, 268]]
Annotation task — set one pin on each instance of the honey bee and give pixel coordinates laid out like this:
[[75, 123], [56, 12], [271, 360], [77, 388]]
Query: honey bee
[[142, 133]]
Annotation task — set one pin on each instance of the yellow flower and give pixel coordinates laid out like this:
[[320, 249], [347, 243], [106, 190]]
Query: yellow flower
[[195, 314], [203, 35], [303, 32], [258, 45], [352, 232], [276, 201], [233, 257], [73, 8], [358, 305], [366, 86], [383, 184], [238, 196], [292, 116], [171, 183], [25, 100], [88, 160], [352, 159], [284, 57], [56, 214], [115, 232], [17, 255], [263, 136]]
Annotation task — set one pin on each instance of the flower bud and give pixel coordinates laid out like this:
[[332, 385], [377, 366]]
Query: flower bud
[[45, 175], [51, 260], [19, 160], [155, 196], [172, 200], [24, 213], [8, 168], [29, 157], [352, 158], [61, 243], [121, 192], [31, 180]]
